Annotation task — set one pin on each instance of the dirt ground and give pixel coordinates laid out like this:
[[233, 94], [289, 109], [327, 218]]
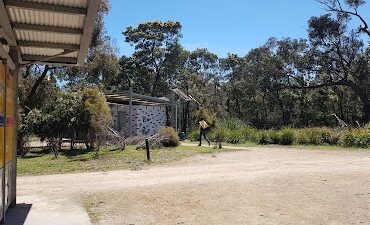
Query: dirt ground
[[261, 185]]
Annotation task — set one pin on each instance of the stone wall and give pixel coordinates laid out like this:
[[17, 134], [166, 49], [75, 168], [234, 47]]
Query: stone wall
[[145, 119]]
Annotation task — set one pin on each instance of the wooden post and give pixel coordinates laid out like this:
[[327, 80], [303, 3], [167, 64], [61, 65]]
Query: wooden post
[[147, 149], [13, 52], [13, 181]]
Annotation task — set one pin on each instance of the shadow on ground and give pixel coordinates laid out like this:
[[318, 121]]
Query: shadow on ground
[[17, 215]]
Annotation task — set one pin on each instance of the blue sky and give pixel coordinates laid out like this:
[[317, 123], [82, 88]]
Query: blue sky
[[222, 26]]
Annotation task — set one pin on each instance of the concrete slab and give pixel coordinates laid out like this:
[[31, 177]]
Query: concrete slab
[[36, 210]]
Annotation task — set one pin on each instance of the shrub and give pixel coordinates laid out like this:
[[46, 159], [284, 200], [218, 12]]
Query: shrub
[[302, 137], [274, 136], [317, 136], [170, 137], [234, 136], [253, 135], [314, 136], [250, 134], [219, 136], [348, 139], [194, 135], [264, 139], [287, 136], [356, 138]]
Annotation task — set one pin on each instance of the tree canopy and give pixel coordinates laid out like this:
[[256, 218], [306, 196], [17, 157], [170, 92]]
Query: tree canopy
[[285, 82]]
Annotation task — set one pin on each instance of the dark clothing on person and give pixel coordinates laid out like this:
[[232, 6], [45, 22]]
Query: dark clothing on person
[[203, 132]]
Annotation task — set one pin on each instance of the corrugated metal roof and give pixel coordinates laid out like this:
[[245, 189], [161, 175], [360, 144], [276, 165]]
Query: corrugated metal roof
[[45, 52], [44, 29], [73, 3], [26, 16], [122, 98], [47, 37]]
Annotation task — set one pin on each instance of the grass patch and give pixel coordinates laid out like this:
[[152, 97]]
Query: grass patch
[[38, 162]]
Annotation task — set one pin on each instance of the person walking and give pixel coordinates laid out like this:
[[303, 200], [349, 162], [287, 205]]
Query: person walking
[[203, 126]]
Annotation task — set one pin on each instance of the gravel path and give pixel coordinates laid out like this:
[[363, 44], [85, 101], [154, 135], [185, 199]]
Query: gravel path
[[260, 185]]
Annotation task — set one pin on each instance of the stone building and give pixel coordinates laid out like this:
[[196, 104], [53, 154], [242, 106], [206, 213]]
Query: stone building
[[148, 114]]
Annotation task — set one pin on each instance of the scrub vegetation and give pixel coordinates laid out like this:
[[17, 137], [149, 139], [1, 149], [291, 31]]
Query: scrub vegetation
[[233, 131]]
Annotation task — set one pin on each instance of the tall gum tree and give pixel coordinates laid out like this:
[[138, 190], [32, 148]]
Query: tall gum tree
[[156, 49], [339, 54]]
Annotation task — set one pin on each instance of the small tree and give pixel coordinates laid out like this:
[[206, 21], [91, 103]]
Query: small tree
[[98, 115]]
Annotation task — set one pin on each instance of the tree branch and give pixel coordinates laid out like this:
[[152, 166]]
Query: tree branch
[[363, 29], [35, 87]]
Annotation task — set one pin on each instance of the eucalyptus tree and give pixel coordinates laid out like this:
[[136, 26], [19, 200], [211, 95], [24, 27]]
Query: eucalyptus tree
[[156, 51], [341, 58]]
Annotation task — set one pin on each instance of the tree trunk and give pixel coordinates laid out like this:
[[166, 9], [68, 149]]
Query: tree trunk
[[34, 88]]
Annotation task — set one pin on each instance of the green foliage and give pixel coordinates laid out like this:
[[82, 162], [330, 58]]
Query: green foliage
[[97, 109], [251, 134], [264, 139], [79, 114], [318, 136], [359, 138], [219, 135], [156, 55], [170, 137], [194, 135], [314, 136], [274, 136], [287, 136], [235, 136], [204, 114]]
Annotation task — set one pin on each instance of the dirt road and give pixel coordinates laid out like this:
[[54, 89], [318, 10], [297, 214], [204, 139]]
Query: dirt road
[[261, 185]]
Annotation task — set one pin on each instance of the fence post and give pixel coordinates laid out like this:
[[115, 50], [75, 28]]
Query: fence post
[[147, 149]]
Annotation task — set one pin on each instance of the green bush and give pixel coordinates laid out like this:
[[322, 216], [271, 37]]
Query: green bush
[[250, 134], [255, 136], [274, 136], [287, 136], [317, 136], [359, 138], [264, 139], [169, 136], [194, 135], [219, 136], [314, 136], [234, 136], [302, 138]]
